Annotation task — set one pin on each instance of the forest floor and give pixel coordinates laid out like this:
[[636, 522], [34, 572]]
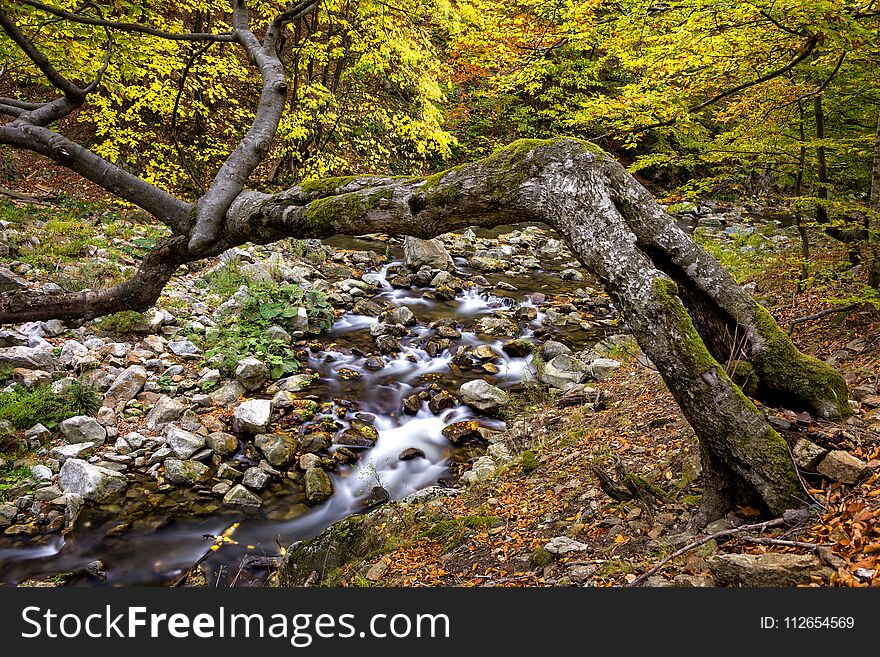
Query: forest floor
[[544, 520]]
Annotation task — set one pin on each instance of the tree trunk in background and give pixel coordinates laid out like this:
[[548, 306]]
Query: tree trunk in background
[[685, 310], [874, 217], [821, 161]]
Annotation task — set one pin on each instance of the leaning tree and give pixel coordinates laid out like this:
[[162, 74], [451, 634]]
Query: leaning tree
[[685, 310]]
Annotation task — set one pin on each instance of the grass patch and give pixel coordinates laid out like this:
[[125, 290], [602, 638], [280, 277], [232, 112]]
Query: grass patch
[[24, 407], [122, 322], [226, 278]]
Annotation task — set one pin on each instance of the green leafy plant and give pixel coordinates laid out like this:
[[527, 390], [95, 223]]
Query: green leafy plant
[[268, 305]]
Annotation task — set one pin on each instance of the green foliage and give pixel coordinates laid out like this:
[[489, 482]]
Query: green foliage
[[267, 305], [10, 475], [25, 407]]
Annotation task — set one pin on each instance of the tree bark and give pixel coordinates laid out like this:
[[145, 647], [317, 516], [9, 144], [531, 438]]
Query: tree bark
[[685, 310], [874, 217]]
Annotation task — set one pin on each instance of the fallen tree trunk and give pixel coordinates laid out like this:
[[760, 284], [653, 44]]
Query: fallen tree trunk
[[686, 311]]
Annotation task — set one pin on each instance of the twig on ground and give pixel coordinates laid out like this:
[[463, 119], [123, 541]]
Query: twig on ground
[[777, 522], [820, 314]]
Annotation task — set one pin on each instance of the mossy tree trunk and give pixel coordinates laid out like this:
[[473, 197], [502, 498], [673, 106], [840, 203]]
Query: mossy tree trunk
[[687, 313]]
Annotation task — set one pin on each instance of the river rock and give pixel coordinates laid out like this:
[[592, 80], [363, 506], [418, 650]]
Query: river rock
[[771, 569], [183, 443], [228, 394], [403, 316], [317, 441], [843, 467], [551, 349], [297, 382], [91, 482], [184, 473], [497, 326], [318, 485], [127, 385], [463, 433], [482, 395], [240, 496], [251, 373], [29, 358], [73, 353], [225, 444], [279, 449], [440, 402], [83, 429], [252, 416], [411, 453], [255, 478], [563, 372], [164, 411], [417, 253]]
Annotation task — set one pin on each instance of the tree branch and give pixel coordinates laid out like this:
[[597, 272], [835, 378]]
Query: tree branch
[[166, 208], [246, 157], [128, 27], [37, 57]]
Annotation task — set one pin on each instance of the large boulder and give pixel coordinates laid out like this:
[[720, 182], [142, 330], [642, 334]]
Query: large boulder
[[83, 429], [91, 482], [252, 416], [127, 385], [563, 372], [241, 497], [29, 358], [418, 253], [771, 569], [482, 395], [184, 473], [279, 449]]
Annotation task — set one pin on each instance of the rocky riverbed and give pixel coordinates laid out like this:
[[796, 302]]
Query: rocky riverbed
[[431, 342]]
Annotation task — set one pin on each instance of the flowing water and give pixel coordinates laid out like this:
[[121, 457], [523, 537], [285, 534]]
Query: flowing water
[[173, 528]]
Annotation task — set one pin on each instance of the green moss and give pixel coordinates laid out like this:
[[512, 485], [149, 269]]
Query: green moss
[[764, 461], [529, 461], [322, 214], [540, 557], [742, 373], [795, 379], [687, 339], [453, 532]]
